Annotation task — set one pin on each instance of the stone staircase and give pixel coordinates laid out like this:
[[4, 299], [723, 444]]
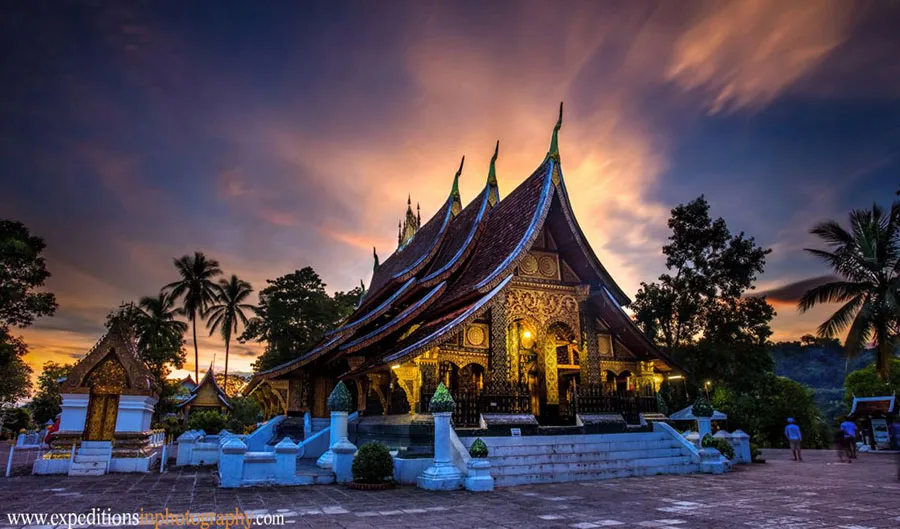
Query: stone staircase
[[406, 434], [554, 459], [91, 459]]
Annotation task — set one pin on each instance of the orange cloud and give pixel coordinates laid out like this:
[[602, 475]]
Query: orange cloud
[[744, 54]]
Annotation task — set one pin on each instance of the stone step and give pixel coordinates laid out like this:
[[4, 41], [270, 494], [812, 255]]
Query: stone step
[[582, 457], [562, 469], [96, 444], [591, 475], [528, 448], [87, 472], [89, 458], [93, 451]]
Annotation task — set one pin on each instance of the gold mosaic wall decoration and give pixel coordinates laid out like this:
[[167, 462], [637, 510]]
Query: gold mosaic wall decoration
[[477, 336], [543, 265]]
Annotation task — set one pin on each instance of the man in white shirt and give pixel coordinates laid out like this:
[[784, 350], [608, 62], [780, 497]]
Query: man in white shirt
[[794, 437]]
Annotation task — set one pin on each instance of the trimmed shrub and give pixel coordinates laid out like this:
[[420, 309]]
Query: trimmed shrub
[[441, 401], [339, 400], [210, 421], [723, 446], [702, 407], [755, 452], [661, 404], [478, 449], [373, 464]]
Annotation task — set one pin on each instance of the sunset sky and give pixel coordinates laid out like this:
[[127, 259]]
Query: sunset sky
[[276, 135]]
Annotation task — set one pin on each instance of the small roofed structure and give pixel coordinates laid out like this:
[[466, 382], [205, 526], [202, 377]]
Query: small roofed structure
[[109, 395], [207, 395], [874, 414], [688, 415], [188, 383]]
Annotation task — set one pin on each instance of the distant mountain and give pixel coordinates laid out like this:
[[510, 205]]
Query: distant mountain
[[822, 366]]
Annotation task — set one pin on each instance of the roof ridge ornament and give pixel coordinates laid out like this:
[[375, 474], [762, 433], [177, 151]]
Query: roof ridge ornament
[[375, 254], [553, 153], [493, 187], [456, 205]]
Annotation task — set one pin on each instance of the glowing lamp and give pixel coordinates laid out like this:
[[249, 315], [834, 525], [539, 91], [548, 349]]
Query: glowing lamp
[[395, 366], [527, 335]]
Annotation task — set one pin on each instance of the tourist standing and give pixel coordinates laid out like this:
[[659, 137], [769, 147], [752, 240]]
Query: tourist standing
[[794, 437], [848, 427]]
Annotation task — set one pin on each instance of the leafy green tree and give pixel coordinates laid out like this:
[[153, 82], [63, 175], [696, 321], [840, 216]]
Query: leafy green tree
[[294, 313], [19, 419], [22, 272], [47, 402], [867, 382], [198, 291], [698, 310], [160, 334], [245, 413], [867, 258], [235, 384], [210, 421], [227, 312]]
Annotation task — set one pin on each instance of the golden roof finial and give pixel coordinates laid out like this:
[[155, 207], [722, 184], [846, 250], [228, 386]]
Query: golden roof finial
[[554, 141]]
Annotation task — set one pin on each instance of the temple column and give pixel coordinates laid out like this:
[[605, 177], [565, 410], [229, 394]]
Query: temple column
[[551, 372], [408, 376], [498, 379], [428, 376], [590, 363]]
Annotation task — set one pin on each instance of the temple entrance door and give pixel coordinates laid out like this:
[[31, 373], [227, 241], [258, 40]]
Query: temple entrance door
[[101, 417], [568, 387]]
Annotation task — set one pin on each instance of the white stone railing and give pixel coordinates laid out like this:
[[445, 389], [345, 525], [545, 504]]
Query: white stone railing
[[258, 440], [239, 467], [672, 433]]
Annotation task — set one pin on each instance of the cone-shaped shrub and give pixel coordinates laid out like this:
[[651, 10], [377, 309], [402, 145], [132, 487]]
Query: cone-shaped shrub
[[339, 400], [441, 401]]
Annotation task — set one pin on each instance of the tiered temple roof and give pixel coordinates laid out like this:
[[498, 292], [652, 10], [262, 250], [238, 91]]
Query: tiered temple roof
[[457, 262]]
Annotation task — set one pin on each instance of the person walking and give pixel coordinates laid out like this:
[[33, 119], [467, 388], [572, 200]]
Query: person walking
[[848, 427], [794, 437]]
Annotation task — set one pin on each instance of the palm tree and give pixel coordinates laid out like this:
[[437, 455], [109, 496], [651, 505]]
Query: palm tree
[[160, 334], [228, 312], [867, 259], [198, 289]]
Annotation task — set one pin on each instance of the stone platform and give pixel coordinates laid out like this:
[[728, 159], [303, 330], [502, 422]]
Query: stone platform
[[818, 494]]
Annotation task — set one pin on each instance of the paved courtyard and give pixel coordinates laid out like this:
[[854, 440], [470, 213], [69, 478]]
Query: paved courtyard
[[819, 493]]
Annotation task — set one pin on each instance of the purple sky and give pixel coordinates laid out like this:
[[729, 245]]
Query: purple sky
[[277, 136]]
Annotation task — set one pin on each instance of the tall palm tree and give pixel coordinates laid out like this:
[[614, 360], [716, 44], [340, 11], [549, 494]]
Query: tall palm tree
[[867, 259], [228, 312], [197, 287], [160, 334]]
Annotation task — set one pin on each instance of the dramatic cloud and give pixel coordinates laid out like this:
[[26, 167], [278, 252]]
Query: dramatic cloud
[[791, 293], [282, 138]]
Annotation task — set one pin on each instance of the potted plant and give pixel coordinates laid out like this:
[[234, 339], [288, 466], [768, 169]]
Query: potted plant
[[703, 411], [479, 478], [373, 468]]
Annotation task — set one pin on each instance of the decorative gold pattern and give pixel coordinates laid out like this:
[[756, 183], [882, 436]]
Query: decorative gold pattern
[[101, 418], [618, 367], [462, 358], [529, 265], [544, 307], [547, 266], [476, 335], [108, 377]]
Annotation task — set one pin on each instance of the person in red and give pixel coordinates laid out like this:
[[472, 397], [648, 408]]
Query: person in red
[[52, 430]]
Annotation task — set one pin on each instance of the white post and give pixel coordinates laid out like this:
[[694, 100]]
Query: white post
[[741, 443], [9, 462], [338, 430], [343, 450], [286, 462], [704, 427], [231, 463], [443, 474], [162, 460]]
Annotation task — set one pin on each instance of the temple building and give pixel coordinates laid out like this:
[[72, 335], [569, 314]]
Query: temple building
[[205, 396], [503, 300]]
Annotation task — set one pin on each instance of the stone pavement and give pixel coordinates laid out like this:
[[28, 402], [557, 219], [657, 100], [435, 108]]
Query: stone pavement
[[819, 493]]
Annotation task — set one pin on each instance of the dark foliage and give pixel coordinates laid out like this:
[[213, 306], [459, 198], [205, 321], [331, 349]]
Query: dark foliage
[[373, 464]]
